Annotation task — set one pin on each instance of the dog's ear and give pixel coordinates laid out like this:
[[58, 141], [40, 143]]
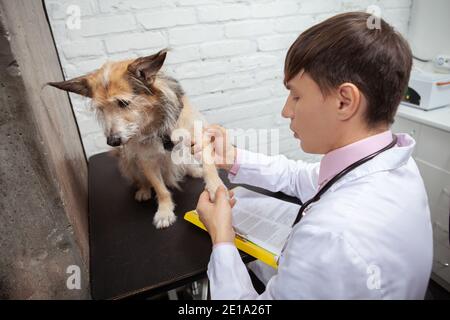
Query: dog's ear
[[145, 68], [79, 85]]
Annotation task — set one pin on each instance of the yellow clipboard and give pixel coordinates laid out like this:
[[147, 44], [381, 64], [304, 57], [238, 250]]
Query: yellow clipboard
[[242, 244]]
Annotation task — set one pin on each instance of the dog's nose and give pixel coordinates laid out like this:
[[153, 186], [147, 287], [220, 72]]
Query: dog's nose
[[113, 140]]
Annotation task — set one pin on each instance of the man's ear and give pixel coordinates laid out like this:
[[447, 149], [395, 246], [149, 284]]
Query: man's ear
[[349, 98], [145, 68], [77, 85]]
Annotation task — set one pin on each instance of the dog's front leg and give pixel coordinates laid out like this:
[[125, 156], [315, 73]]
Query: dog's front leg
[[164, 217], [210, 174]]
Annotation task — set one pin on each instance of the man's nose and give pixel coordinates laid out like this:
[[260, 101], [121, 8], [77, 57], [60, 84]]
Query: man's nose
[[114, 140], [286, 112]]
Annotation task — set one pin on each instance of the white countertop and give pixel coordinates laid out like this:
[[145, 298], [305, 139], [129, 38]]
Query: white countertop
[[438, 118]]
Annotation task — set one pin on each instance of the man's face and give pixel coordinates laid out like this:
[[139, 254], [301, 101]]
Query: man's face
[[313, 116]]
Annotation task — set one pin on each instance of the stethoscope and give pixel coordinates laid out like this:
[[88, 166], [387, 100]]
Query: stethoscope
[[339, 176]]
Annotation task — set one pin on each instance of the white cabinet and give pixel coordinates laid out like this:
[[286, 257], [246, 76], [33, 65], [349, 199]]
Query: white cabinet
[[432, 155]]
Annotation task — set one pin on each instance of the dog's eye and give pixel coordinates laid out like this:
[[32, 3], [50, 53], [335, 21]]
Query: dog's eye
[[123, 103]]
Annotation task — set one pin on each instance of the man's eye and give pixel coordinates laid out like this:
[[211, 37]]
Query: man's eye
[[123, 103]]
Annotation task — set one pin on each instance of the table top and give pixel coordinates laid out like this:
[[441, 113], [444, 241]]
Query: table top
[[437, 118], [129, 257]]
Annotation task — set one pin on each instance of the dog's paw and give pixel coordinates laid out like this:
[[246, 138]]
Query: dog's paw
[[212, 188], [196, 172], [164, 219], [143, 194]]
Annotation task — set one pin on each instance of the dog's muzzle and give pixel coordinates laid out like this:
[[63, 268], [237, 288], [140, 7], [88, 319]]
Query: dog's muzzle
[[114, 140]]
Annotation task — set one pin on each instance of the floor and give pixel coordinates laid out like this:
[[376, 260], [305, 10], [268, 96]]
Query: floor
[[434, 292]]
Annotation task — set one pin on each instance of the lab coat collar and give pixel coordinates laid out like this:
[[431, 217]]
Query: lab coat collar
[[388, 160]]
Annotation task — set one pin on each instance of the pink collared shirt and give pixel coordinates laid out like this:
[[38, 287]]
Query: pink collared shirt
[[337, 160], [235, 168]]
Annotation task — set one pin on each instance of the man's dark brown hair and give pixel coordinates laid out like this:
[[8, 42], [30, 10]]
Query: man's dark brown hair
[[344, 49]]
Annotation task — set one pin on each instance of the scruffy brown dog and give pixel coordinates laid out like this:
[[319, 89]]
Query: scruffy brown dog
[[146, 115]]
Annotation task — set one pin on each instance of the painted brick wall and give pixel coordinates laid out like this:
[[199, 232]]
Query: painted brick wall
[[228, 54]]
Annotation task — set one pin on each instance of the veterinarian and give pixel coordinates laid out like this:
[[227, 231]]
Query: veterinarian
[[369, 236]]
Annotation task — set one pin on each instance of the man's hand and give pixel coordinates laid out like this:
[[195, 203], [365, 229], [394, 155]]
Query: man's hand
[[216, 216], [224, 153]]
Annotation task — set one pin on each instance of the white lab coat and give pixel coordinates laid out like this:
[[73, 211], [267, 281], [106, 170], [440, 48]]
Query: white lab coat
[[368, 237]]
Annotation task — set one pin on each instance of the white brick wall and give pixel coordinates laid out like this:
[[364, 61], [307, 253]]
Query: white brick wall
[[227, 54]]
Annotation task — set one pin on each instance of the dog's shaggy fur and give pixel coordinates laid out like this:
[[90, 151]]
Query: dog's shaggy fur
[[144, 113]]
